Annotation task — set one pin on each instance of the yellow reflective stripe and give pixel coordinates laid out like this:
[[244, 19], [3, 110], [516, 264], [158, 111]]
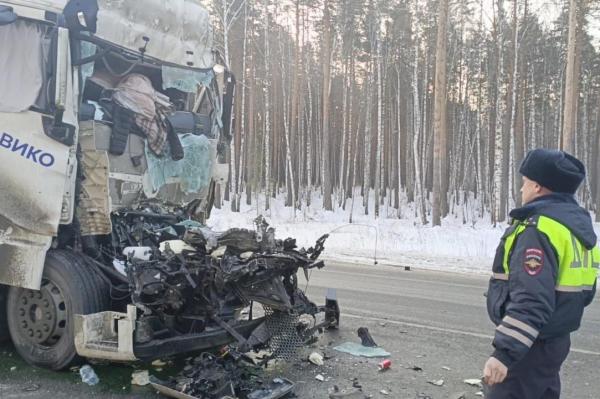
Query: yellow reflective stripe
[[515, 334], [596, 258], [510, 240], [520, 325], [500, 276]]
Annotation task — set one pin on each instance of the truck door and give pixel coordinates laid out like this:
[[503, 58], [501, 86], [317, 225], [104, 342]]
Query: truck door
[[38, 132]]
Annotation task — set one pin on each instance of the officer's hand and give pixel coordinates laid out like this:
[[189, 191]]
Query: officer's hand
[[494, 372]]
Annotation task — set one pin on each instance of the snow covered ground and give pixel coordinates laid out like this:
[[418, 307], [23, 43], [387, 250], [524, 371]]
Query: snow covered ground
[[454, 246]]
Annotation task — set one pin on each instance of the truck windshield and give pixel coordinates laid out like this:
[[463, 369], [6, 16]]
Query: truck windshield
[[24, 66]]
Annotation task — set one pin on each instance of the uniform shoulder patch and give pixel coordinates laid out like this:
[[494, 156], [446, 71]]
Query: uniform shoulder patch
[[533, 261]]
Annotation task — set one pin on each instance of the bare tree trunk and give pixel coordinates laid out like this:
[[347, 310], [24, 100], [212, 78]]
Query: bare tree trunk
[[515, 134], [400, 135], [441, 135], [327, 184], [379, 131], [367, 146], [267, 121], [252, 175], [569, 112], [500, 181], [419, 198]]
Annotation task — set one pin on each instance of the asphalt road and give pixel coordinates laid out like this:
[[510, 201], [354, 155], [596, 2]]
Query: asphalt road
[[434, 325]]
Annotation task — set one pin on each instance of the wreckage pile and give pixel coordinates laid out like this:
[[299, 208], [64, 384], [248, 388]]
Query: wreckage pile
[[212, 377], [186, 279]]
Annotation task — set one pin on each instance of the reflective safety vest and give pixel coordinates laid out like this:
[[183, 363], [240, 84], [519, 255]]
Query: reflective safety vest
[[578, 267]]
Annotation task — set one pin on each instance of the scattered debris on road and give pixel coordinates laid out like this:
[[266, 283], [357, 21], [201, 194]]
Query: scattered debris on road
[[231, 375], [140, 378], [357, 349], [88, 375], [352, 393], [385, 365], [316, 359], [476, 382], [437, 383], [366, 338], [31, 387]]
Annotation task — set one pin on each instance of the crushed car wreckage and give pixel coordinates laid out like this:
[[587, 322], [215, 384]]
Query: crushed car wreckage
[[189, 286]]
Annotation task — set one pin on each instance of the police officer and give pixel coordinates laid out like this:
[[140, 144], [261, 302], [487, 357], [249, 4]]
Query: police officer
[[544, 274]]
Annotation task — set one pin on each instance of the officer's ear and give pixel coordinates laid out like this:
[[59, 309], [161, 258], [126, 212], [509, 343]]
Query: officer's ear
[[539, 189]]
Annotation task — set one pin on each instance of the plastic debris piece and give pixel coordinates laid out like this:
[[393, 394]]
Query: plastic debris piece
[[88, 375], [31, 387], [366, 338], [141, 378], [446, 368], [219, 252], [437, 383], [386, 364], [176, 246], [246, 255], [316, 359], [384, 392], [480, 393], [319, 377], [476, 382], [353, 393], [13, 368], [357, 349], [159, 363]]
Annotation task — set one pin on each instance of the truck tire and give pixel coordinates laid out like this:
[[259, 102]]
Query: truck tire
[[4, 335], [41, 323]]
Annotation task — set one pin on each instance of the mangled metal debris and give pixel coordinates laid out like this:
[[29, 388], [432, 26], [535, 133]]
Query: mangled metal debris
[[211, 377], [190, 285]]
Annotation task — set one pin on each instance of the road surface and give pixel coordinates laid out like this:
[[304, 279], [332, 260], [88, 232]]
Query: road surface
[[434, 325]]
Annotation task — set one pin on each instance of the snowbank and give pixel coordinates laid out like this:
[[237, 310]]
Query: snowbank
[[388, 239]]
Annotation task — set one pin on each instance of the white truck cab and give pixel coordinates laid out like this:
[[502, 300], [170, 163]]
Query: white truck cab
[[63, 177]]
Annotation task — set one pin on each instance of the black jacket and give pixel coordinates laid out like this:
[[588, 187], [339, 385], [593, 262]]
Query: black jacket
[[526, 306]]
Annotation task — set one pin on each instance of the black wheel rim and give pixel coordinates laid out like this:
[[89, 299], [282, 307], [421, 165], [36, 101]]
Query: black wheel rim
[[42, 315]]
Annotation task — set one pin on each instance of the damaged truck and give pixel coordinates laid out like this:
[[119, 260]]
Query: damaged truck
[[115, 120]]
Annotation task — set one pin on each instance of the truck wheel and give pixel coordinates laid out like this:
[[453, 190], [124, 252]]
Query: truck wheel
[[41, 322], [4, 336]]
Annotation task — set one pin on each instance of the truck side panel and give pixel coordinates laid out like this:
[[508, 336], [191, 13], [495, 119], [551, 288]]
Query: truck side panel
[[31, 195]]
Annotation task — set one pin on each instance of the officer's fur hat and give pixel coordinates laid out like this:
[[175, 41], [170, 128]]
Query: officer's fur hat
[[556, 170]]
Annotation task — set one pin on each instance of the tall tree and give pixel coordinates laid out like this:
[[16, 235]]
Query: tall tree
[[325, 153], [572, 76], [440, 146]]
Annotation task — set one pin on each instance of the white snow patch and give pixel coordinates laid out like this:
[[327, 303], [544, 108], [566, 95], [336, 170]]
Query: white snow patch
[[454, 246]]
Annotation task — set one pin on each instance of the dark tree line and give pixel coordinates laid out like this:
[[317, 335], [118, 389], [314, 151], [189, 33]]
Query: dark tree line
[[426, 105]]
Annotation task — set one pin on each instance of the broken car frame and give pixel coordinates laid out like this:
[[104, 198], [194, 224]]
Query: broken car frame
[[115, 122]]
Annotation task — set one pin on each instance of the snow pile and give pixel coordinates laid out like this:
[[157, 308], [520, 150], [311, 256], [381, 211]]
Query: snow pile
[[389, 240]]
